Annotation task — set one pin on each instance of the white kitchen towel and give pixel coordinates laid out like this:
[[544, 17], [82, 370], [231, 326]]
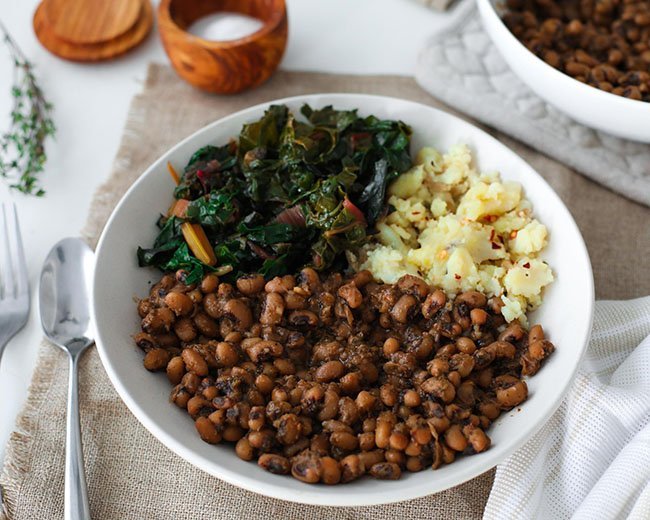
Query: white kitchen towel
[[592, 458], [462, 67]]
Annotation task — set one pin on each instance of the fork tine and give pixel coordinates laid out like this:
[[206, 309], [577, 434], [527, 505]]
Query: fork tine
[[7, 287], [22, 282]]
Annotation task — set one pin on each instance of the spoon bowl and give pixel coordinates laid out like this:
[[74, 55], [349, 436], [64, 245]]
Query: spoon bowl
[[65, 293]]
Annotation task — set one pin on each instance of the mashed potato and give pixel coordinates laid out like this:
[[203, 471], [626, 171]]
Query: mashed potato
[[459, 230]]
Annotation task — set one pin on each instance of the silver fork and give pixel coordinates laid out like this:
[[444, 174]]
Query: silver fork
[[14, 285]]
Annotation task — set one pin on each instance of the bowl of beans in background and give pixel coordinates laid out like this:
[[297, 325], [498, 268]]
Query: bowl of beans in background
[[589, 59], [566, 315]]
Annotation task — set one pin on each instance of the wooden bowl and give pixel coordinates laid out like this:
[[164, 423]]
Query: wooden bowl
[[228, 66]]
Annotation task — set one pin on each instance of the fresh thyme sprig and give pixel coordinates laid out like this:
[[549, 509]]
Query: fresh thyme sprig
[[22, 147]]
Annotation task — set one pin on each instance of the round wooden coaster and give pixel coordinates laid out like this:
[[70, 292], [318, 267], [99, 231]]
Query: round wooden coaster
[[103, 50], [91, 21]]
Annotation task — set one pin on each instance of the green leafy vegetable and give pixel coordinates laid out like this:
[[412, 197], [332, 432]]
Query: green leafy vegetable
[[288, 192]]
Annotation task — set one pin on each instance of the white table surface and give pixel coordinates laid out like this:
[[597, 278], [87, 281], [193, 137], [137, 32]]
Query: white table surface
[[91, 103]]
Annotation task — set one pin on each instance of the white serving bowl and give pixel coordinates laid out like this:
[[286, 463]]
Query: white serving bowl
[[588, 105], [566, 313]]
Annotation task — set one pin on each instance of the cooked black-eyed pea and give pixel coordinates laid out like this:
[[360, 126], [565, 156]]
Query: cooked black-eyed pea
[[144, 307], [280, 284], [403, 308], [438, 366], [369, 458], [540, 349], [194, 362], [415, 464], [198, 405], [455, 439], [206, 325], [250, 285], [156, 359], [351, 468], [307, 468], [466, 393], [398, 441], [510, 391], [212, 305], [232, 433], [294, 301], [256, 418], [350, 383], [441, 387], [433, 303], [145, 341], [167, 341], [465, 345], [362, 278], [239, 313], [512, 333], [476, 438], [462, 363], [411, 398], [272, 309], [382, 434], [262, 440], [185, 330], [264, 350], [489, 409], [303, 318], [386, 471], [226, 354], [536, 333], [209, 284], [175, 370], [330, 471], [367, 441], [421, 435], [179, 303], [274, 464], [329, 371], [391, 345], [158, 321], [478, 316], [388, 395], [191, 382], [207, 430], [351, 295], [413, 449], [396, 457], [348, 410], [344, 440], [244, 450], [365, 401], [180, 396], [473, 299], [289, 429]]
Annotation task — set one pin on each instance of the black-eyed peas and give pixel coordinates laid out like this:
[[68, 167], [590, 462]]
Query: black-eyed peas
[[330, 380]]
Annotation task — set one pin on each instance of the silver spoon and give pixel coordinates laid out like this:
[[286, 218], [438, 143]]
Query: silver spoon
[[64, 301]]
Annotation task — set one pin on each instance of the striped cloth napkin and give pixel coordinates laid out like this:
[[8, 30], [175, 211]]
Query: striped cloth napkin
[[592, 459]]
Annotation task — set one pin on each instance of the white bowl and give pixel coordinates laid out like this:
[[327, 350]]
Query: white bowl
[[566, 313], [588, 105]]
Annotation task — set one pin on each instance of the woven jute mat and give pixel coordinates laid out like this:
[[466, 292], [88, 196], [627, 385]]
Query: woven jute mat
[[130, 474]]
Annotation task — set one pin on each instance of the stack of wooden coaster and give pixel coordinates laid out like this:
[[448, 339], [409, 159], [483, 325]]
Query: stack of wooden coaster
[[92, 30]]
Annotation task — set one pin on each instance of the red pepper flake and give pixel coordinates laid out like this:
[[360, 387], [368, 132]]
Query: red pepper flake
[[513, 234], [496, 246], [526, 265], [492, 235], [416, 212], [202, 176], [457, 276]]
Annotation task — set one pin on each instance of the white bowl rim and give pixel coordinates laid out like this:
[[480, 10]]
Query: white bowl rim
[[310, 495]]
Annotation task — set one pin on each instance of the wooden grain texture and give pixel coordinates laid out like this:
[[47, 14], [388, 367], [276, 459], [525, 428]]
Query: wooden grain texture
[[91, 21], [88, 52], [224, 67]]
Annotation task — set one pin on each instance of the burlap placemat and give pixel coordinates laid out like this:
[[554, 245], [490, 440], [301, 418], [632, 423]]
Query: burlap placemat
[[130, 474]]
